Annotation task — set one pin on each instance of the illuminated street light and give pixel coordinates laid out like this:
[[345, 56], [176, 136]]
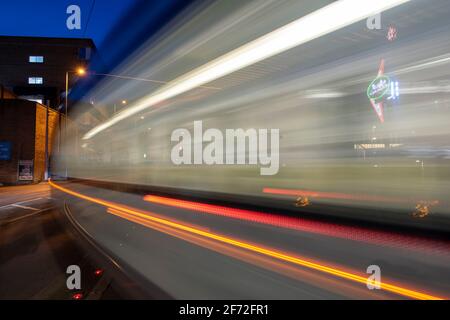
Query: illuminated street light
[[81, 72]]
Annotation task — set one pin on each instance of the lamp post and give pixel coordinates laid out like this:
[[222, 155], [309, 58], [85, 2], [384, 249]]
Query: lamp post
[[81, 72]]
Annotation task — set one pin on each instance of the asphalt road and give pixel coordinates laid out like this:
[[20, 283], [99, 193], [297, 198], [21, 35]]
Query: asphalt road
[[37, 246], [186, 264], [20, 195], [195, 258]]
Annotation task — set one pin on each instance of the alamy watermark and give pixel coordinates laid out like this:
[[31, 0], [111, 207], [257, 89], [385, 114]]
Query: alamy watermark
[[73, 281], [73, 21], [374, 280], [235, 146], [374, 22]]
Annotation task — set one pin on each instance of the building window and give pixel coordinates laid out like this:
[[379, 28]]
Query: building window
[[35, 80], [36, 59]]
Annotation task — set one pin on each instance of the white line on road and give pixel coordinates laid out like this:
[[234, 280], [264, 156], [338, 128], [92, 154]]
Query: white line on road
[[24, 207], [27, 215], [19, 203], [26, 201]]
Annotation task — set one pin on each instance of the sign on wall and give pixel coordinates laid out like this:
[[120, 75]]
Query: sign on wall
[[5, 150], [25, 170], [381, 90]]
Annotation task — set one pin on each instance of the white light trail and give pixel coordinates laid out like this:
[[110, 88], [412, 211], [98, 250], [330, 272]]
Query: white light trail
[[312, 26]]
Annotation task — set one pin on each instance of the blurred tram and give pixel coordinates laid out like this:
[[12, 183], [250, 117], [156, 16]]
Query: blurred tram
[[363, 113]]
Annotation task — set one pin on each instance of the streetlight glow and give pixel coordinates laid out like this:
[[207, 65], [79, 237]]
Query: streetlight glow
[[81, 71]]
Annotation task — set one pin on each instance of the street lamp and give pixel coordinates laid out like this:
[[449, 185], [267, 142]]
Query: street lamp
[[80, 72]]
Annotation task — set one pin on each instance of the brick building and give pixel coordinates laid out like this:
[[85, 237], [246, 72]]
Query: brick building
[[32, 86], [35, 67], [24, 129]]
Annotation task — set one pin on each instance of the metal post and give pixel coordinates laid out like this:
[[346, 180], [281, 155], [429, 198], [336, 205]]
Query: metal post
[[65, 120], [46, 147]]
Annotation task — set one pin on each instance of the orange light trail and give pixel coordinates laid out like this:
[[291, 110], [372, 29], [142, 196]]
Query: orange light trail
[[308, 225], [247, 256], [332, 195], [251, 247]]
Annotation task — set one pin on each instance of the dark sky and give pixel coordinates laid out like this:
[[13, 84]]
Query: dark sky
[[117, 27], [48, 17]]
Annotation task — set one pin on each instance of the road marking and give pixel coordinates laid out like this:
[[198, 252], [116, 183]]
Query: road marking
[[24, 207], [26, 201], [25, 216], [20, 202]]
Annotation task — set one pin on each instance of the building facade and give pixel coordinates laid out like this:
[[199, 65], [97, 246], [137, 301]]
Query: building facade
[[32, 91], [29, 132], [35, 67]]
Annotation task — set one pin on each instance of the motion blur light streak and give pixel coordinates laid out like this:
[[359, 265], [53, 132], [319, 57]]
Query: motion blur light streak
[[315, 95], [141, 79], [433, 62], [252, 257], [331, 195], [252, 247], [319, 23], [308, 225], [350, 192]]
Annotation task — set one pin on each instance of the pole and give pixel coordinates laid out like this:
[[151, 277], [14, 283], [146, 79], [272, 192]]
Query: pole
[[46, 147], [65, 120]]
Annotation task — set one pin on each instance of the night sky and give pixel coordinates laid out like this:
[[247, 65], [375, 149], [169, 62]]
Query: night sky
[[117, 27], [47, 18]]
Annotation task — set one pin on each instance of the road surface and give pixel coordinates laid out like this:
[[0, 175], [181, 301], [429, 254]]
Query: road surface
[[192, 251], [172, 248], [37, 246]]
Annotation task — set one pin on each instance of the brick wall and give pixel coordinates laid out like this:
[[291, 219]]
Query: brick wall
[[23, 123], [6, 94], [17, 125], [53, 130]]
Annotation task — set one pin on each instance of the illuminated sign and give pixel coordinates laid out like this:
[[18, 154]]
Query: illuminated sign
[[365, 146], [394, 90], [380, 90], [379, 87], [392, 33], [25, 170], [5, 150]]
